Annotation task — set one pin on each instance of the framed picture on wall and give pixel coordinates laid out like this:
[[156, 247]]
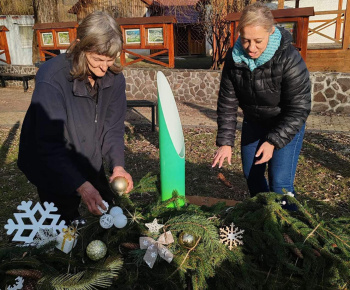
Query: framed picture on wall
[[291, 27], [47, 38], [132, 36], [63, 37], [155, 35]]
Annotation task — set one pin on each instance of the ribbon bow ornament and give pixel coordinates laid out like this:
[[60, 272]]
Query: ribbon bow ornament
[[155, 248]]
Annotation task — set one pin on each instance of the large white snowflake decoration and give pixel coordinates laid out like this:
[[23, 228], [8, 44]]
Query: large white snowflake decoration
[[231, 236], [38, 217]]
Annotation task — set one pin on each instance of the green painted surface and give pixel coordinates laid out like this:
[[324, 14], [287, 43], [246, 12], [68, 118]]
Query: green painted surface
[[172, 163]]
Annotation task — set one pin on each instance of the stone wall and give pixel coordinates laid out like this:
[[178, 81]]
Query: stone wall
[[330, 91], [19, 69], [187, 85]]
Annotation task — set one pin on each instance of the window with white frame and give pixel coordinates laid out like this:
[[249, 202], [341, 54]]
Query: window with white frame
[[26, 35]]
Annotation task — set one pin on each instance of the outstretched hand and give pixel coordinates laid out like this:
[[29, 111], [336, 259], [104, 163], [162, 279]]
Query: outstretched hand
[[91, 197], [220, 156], [120, 171], [265, 151]]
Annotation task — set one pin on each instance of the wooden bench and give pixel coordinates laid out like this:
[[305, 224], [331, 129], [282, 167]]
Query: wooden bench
[[144, 103], [16, 77]]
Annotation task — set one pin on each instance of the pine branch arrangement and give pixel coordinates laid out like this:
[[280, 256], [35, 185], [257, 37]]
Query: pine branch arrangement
[[281, 249], [293, 246]]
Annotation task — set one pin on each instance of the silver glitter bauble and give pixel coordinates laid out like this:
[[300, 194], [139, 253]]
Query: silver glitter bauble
[[119, 184], [96, 250]]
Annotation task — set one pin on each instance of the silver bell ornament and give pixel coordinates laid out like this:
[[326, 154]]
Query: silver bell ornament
[[119, 184], [187, 240], [96, 250]]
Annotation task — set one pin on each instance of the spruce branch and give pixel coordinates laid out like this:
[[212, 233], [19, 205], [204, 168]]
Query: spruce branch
[[102, 276], [295, 250], [185, 258], [146, 184]]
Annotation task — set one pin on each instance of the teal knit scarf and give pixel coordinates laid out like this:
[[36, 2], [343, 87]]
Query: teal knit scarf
[[239, 55]]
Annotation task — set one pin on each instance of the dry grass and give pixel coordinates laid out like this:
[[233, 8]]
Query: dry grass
[[16, 7]]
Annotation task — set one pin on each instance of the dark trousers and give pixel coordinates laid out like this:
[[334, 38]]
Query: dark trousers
[[281, 167], [68, 204]]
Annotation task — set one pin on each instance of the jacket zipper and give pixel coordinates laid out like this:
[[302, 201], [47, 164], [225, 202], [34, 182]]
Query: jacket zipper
[[96, 108], [252, 85]]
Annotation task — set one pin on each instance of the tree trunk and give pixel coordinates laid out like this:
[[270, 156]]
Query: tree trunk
[[45, 11]]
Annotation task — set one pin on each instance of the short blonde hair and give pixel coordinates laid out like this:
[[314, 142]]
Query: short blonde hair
[[257, 14], [98, 33]]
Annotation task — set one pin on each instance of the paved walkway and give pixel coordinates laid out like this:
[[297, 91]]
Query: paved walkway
[[14, 103]]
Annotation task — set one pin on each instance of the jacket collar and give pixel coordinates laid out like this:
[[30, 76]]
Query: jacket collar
[[79, 87]]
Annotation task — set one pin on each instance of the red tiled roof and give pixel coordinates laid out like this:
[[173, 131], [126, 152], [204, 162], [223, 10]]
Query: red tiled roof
[[148, 2], [177, 2], [79, 5]]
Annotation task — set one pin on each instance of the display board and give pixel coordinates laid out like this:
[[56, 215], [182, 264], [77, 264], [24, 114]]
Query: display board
[[154, 33], [53, 37]]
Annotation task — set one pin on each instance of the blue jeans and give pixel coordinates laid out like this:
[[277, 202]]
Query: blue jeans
[[281, 167]]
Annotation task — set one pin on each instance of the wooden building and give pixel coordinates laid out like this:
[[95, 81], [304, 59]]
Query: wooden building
[[188, 32], [119, 8], [332, 51]]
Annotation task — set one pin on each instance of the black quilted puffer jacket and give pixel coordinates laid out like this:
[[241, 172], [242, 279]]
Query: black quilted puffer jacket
[[276, 94]]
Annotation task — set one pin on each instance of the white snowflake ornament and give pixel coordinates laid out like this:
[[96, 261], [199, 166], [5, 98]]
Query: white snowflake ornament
[[154, 227], [18, 285], [231, 236], [38, 219]]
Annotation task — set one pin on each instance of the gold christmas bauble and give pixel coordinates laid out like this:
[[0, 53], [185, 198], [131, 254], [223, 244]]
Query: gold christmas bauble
[[96, 250], [187, 240], [119, 184]]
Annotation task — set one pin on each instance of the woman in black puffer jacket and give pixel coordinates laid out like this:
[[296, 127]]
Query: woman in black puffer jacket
[[267, 78]]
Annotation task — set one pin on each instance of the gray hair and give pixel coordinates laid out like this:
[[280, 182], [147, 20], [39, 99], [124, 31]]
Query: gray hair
[[257, 14], [98, 33]]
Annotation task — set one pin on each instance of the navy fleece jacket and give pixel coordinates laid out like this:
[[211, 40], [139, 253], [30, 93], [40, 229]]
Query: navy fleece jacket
[[66, 133]]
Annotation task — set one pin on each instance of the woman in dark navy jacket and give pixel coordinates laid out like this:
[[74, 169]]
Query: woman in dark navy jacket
[[267, 78], [76, 120]]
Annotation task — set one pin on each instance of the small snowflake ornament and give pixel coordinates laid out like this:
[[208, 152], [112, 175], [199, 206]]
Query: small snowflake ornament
[[38, 217], [231, 236], [18, 285], [154, 227]]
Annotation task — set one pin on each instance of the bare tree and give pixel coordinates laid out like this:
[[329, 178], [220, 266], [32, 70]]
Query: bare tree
[[45, 11], [213, 19]]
